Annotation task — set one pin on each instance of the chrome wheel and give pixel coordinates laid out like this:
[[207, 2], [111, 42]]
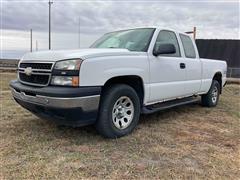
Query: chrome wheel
[[214, 94], [123, 112]]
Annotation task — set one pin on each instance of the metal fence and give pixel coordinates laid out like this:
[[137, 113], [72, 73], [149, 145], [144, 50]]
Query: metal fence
[[9, 63], [233, 72]]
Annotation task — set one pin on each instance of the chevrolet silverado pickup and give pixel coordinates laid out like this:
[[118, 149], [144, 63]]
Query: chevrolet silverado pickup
[[123, 74]]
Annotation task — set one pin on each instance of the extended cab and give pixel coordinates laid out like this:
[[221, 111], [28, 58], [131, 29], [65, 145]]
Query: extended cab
[[121, 75]]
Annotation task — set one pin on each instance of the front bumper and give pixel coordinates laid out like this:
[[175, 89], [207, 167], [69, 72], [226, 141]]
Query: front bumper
[[64, 105]]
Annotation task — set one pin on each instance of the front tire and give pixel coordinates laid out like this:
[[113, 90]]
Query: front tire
[[211, 98], [119, 111]]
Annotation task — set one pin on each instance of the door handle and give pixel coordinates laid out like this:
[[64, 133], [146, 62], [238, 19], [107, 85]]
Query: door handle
[[182, 65]]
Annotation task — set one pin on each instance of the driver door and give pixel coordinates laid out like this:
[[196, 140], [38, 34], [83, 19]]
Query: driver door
[[167, 72]]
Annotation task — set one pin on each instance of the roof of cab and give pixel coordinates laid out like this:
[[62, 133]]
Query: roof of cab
[[155, 27]]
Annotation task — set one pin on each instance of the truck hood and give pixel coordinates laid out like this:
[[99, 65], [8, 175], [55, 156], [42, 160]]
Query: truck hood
[[78, 53]]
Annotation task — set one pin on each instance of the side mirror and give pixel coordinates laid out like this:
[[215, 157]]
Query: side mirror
[[166, 48]]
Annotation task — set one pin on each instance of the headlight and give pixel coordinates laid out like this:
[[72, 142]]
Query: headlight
[[66, 73], [65, 80], [72, 64]]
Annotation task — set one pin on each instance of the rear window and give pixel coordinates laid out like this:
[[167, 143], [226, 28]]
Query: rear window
[[188, 46]]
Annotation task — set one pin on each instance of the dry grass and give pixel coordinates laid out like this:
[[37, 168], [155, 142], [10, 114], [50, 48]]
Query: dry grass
[[185, 142], [5, 78]]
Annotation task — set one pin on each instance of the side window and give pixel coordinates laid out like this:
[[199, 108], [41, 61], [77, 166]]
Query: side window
[[165, 36], [188, 46]]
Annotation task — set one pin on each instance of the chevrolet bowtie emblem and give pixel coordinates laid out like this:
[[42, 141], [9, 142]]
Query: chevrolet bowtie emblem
[[28, 71]]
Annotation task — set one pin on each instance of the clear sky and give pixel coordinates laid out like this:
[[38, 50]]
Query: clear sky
[[214, 19]]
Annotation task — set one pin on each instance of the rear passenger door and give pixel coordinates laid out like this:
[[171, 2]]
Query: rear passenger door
[[193, 66]]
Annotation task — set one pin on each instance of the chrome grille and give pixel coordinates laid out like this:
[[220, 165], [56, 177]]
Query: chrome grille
[[36, 74]]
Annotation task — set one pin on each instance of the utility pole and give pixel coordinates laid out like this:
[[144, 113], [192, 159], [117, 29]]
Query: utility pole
[[194, 32], [30, 40], [36, 45], [78, 32], [49, 26]]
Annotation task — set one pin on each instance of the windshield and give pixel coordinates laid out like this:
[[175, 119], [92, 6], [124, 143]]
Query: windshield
[[133, 39]]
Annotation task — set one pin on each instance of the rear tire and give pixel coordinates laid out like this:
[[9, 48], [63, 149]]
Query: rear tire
[[119, 111], [211, 98]]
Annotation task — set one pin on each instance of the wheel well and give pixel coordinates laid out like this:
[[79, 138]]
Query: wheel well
[[134, 81], [218, 77]]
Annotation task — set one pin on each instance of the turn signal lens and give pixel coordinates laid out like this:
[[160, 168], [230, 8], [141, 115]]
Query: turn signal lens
[[75, 81]]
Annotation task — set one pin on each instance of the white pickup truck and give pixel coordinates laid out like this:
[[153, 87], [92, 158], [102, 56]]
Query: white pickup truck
[[123, 74]]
